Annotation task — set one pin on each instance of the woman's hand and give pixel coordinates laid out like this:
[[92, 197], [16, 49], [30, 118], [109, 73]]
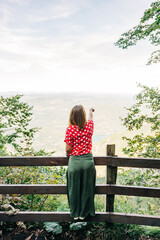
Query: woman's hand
[[68, 149], [91, 110]]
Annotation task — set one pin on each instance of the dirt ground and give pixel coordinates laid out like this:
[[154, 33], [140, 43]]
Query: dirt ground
[[43, 235], [38, 234]]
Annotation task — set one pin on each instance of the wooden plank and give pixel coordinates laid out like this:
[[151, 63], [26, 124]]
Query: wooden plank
[[134, 191], [65, 217], [33, 189], [62, 161], [1, 196], [111, 172], [135, 219], [127, 190], [33, 161], [110, 149], [44, 161], [49, 217], [61, 189], [135, 162]]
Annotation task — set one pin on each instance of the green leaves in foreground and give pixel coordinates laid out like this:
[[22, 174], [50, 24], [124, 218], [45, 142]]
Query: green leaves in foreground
[[152, 232], [53, 227], [78, 226], [56, 228]]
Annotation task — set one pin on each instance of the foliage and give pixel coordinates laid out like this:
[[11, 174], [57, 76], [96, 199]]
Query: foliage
[[16, 139], [113, 231], [122, 231], [53, 227], [78, 226], [146, 111], [148, 27], [137, 205], [152, 232], [15, 134], [100, 203], [96, 231], [139, 177]]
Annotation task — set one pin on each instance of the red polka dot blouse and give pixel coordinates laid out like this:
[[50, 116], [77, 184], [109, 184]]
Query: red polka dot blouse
[[80, 139]]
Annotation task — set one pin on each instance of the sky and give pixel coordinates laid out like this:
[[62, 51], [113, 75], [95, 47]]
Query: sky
[[68, 46]]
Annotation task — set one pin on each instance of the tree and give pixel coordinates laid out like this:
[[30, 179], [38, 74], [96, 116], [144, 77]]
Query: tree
[[148, 27], [146, 111], [16, 136], [16, 139]]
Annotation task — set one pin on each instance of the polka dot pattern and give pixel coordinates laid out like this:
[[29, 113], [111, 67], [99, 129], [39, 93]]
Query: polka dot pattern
[[80, 139]]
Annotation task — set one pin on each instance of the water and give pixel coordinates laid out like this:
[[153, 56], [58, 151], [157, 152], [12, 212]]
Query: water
[[98, 138]]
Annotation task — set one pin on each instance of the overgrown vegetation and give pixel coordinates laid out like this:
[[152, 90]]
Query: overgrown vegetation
[[85, 231]]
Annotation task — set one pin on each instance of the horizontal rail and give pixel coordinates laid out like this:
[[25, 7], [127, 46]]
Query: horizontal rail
[[63, 161], [62, 189], [109, 217]]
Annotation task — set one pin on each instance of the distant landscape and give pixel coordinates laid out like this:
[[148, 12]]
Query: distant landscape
[[51, 113]]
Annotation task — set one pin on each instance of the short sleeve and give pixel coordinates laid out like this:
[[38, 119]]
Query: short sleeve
[[68, 136]]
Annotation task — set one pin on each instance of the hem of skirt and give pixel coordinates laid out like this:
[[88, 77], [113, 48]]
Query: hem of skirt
[[89, 214], [74, 217]]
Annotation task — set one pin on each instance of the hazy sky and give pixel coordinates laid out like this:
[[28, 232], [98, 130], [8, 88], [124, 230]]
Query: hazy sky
[[68, 45]]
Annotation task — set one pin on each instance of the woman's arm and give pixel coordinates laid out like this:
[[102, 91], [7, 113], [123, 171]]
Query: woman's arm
[[91, 110], [68, 149]]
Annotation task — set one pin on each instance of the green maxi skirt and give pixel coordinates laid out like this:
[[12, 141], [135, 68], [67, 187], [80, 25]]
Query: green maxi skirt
[[81, 178]]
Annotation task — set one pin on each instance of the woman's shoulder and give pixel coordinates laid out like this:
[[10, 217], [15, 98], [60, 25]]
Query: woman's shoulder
[[71, 128]]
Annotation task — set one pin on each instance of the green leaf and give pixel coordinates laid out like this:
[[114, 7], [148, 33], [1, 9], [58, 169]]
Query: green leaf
[[78, 226], [53, 227]]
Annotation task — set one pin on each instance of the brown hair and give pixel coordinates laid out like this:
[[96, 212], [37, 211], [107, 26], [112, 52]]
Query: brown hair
[[78, 117]]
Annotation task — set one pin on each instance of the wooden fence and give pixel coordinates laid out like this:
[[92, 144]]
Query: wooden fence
[[110, 189]]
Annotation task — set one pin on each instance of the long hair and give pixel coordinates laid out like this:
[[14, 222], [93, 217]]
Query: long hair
[[78, 117]]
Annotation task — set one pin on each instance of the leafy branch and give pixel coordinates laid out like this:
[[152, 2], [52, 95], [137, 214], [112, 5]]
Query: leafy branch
[[145, 30]]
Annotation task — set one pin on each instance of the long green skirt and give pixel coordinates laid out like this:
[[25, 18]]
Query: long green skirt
[[81, 178]]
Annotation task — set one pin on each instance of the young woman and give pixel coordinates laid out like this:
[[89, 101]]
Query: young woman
[[81, 173]]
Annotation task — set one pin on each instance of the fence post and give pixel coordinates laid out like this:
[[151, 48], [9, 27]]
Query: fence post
[[1, 196], [111, 176]]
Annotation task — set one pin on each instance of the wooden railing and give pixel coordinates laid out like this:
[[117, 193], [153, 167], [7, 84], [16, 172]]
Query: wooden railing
[[110, 189]]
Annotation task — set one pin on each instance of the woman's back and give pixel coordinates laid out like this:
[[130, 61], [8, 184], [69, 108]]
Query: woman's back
[[81, 172], [80, 139]]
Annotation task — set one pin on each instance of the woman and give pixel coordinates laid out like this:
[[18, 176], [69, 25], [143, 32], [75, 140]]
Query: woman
[[81, 173]]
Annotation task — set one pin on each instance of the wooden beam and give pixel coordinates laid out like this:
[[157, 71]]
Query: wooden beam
[[33, 189], [135, 219], [33, 161], [1, 196], [65, 217], [134, 191], [135, 162], [49, 217], [111, 173], [62, 161], [61, 189]]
